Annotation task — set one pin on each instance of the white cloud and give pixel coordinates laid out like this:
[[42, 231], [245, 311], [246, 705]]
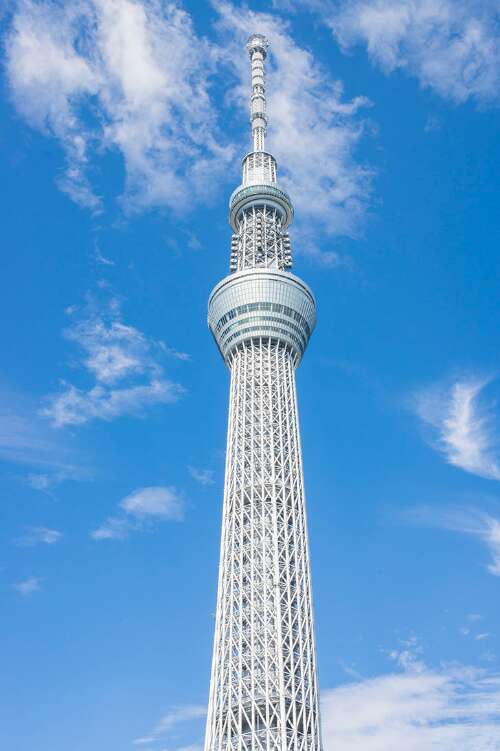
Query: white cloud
[[76, 407], [176, 355], [48, 79], [203, 476], [466, 521], [420, 709], [489, 531], [472, 619], [312, 131], [39, 481], [142, 507], [465, 426], [24, 440], [114, 528], [120, 75], [154, 501], [27, 586], [451, 46], [38, 535], [127, 379], [488, 657], [101, 258], [113, 350], [69, 75], [27, 440], [174, 717]]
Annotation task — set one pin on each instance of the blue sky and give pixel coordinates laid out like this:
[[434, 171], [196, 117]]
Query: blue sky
[[123, 126]]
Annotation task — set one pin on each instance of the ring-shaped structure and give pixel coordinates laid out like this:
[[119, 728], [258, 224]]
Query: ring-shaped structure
[[261, 304], [257, 195]]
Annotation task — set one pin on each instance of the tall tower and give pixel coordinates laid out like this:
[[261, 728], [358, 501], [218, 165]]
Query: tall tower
[[263, 693]]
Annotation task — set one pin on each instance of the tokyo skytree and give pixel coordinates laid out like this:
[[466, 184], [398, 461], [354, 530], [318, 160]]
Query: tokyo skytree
[[263, 691]]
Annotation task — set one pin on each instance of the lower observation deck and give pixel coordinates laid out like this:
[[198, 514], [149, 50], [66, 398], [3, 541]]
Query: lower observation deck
[[261, 303]]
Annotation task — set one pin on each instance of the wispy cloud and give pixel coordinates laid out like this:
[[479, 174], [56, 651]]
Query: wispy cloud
[[41, 481], [451, 46], [68, 76], [75, 407], [100, 258], [175, 354], [27, 587], [203, 476], [418, 709], [481, 525], [174, 717], [27, 440], [313, 130], [464, 425], [141, 509], [474, 617], [154, 501], [122, 363], [38, 535]]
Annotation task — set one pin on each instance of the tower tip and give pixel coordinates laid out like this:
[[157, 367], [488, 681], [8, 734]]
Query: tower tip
[[257, 45], [257, 42]]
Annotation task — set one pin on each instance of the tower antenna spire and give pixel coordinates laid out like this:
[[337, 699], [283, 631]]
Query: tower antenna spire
[[257, 48]]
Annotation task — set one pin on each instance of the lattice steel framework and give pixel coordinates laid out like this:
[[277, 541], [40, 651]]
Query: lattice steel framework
[[263, 693]]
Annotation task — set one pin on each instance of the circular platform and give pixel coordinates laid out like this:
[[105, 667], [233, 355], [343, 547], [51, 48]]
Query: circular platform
[[261, 303], [258, 195]]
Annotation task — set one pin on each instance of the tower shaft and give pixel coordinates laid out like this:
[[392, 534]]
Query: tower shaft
[[263, 693]]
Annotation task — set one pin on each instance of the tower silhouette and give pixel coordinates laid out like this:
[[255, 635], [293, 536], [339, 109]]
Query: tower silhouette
[[263, 692]]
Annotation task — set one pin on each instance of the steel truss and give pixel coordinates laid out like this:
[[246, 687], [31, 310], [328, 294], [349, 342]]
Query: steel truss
[[264, 693], [260, 241]]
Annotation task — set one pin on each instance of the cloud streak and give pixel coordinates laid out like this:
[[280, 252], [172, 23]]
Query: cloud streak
[[463, 426], [480, 524], [27, 440], [172, 718], [38, 535], [141, 509]]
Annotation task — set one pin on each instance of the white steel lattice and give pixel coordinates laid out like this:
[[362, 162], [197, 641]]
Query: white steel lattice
[[259, 167], [260, 241], [263, 691]]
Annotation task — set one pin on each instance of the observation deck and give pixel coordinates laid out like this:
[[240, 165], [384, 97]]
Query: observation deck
[[261, 303], [246, 196]]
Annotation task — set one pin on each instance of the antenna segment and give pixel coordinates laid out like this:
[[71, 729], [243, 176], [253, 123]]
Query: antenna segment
[[257, 48]]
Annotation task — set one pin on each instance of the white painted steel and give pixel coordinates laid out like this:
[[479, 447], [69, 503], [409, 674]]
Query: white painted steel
[[261, 303], [263, 690], [257, 48], [259, 168]]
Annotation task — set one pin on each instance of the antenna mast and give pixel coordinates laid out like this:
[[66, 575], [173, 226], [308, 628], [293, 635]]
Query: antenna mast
[[257, 48]]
